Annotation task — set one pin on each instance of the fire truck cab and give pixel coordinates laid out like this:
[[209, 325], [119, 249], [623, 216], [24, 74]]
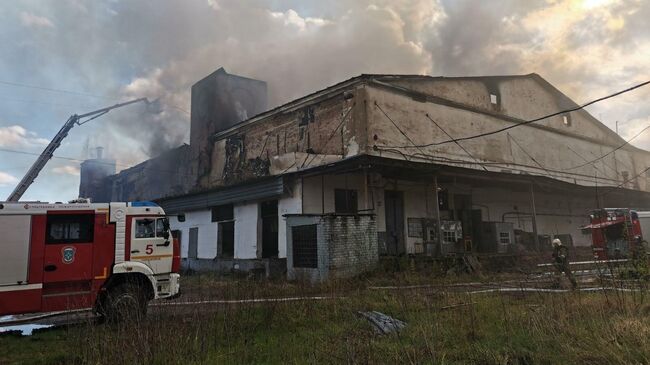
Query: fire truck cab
[[112, 257]]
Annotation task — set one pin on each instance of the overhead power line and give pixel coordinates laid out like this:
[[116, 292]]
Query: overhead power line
[[70, 92], [399, 129], [78, 160], [625, 182], [610, 152], [458, 144], [55, 90], [529, 155], [579, 107]]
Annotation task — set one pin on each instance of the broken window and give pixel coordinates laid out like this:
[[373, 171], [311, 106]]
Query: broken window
[[222, 213], [307, 116], [345, 201], [304, 246]]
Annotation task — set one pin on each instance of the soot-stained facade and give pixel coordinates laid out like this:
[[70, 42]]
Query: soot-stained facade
[[385, 146]]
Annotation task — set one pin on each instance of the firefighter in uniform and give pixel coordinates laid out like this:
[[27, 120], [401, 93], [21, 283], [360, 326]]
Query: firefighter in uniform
[[561, 261]]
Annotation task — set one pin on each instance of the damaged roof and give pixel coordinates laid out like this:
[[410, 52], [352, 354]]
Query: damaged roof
[[564, 101]]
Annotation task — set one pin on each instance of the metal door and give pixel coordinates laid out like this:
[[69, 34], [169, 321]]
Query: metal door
[[269, 212], [151, 243], [68, 248], [68, 261], [394, 204], [192, 249]]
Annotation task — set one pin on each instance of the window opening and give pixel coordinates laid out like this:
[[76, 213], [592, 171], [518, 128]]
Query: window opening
[[70, 228], [145, 228], [222, 213], [345, 201]]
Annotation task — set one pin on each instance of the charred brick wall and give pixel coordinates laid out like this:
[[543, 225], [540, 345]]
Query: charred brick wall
[[321, 132]]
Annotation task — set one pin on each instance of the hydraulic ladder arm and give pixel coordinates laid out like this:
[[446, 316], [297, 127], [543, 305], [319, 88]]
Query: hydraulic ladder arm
[[48, 153]]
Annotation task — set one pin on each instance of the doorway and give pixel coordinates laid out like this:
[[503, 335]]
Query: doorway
[[193, 246], [269, 213], [394, 204], [226, 239]]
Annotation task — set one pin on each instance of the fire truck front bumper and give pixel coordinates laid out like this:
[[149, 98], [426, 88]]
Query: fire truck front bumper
[[169, 288]]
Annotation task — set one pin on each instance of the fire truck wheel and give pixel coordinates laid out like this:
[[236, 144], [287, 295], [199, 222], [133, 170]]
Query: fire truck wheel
[[125, 302]]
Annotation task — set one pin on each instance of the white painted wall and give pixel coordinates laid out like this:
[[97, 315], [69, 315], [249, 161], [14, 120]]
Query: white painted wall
[[207, 240], [288, 205], [247, 228], [313, 188]]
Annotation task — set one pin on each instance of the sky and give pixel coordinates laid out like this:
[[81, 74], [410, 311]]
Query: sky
[[64, 57]]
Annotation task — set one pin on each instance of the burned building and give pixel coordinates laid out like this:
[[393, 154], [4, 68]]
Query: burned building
[[219, 101], [397, 165], [93, 173]]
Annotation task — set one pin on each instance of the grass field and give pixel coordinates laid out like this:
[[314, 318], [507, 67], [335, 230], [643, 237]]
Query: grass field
[[444, 326]]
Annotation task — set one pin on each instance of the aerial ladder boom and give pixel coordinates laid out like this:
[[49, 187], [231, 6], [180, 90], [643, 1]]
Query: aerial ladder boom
[[47, 154]]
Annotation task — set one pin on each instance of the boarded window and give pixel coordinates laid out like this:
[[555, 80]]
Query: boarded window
[[304, 246], [70, 228], [222, 213], [345, 201]]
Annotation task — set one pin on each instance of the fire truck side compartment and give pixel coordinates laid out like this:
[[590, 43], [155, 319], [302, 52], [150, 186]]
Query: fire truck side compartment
[[14, 259]]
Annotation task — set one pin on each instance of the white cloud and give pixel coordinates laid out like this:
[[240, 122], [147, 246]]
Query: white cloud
[[6, 179], [66, 170], [33, 20], [214, 4], [291, 17], [16, 136]]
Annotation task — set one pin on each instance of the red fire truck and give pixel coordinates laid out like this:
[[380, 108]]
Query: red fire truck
[[111, 257], [618, 232]]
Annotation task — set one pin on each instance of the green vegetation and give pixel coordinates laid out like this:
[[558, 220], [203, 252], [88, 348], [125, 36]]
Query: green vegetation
[[444, 326]]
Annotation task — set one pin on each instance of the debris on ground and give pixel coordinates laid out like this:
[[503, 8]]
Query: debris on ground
[[383, 323]]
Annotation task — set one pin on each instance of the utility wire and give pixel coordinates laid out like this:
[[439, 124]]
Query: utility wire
[[400, 130], [124, 166], [439, 159], [458, 144], [17, 84], [625, 182], [322, 148], [529, 155], [610, 152], [582, 157], [579, 107], [55, 90]]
